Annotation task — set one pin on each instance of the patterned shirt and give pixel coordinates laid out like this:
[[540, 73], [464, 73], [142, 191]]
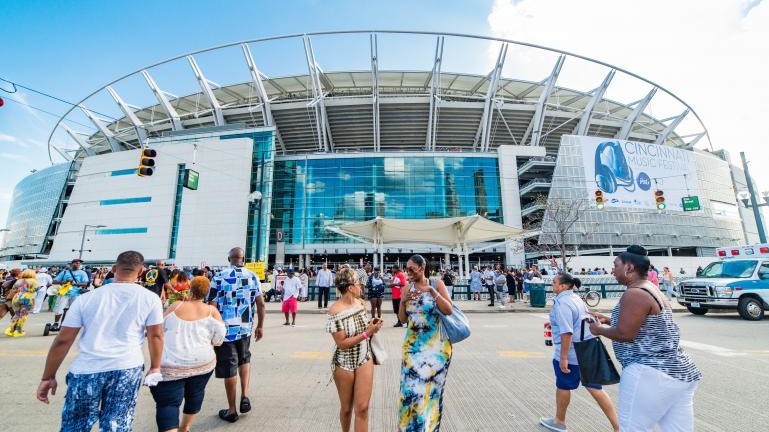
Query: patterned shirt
[[353, 321], [235, 291], [657, 344]]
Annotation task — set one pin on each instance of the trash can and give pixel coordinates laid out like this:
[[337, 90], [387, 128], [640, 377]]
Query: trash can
[[538, 298]]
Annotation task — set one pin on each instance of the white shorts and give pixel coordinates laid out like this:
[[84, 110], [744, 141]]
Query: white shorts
[[62, 302]]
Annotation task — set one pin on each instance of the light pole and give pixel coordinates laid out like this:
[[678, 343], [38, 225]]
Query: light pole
[[82, 239], [753, 203], [255, 198]]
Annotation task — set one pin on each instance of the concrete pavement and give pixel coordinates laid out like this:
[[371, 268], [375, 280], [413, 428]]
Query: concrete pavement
[[500, 379]]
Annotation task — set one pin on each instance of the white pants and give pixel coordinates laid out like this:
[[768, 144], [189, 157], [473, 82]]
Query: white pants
[[39, 299], [62, 302], [649, 397]]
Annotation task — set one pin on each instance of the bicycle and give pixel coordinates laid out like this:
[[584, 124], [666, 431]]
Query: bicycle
[[590, 297]]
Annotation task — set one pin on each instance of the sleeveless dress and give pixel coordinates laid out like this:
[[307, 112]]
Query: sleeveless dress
[[426, 359]]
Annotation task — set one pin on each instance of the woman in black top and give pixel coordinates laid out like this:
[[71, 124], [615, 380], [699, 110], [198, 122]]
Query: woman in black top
[[510, 276]]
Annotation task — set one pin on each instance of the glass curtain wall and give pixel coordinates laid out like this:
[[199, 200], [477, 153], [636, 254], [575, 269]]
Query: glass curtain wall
[[34, 201], [312, 194]]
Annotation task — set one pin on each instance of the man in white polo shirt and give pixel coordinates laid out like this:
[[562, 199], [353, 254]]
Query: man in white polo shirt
[[104, 379]]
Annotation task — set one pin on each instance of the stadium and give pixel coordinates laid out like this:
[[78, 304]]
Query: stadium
[[275, 163]]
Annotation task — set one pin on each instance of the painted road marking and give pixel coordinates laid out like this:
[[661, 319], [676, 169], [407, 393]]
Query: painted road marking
[[23, 353], [521, 354], [310, 355], [711, 349]]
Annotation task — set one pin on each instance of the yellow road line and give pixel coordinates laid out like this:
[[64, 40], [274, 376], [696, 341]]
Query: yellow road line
[[23, 353], [521, 354], [310, 355]]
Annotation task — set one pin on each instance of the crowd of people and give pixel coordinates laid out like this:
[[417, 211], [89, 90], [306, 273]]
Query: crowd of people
[[199, 322]]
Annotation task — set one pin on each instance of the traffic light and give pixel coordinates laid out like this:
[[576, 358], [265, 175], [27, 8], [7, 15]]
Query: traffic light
[[599, 203], [659, 199], [147, 163]]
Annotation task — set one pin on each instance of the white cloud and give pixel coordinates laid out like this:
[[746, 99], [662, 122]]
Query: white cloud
[[709, 54], [7, 138]]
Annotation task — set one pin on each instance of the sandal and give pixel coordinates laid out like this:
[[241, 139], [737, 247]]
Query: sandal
[[245, 405], [226, 415]]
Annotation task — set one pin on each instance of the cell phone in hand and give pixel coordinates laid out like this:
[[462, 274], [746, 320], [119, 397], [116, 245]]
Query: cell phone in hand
[[375, 321]]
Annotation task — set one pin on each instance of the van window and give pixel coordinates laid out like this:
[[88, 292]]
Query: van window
[[730, 269]]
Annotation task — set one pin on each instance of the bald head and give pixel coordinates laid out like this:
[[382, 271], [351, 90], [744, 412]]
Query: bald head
[[237, 256]]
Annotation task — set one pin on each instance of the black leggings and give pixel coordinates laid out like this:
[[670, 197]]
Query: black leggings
[[490, 288], [396, 307]]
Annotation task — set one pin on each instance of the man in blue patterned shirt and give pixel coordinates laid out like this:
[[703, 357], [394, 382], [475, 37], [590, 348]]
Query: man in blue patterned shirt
[[235, 291]]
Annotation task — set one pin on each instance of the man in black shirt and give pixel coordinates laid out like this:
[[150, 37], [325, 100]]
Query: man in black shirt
[[156, 279]]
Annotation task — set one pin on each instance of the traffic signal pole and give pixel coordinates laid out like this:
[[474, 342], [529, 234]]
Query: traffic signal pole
[[753, 202]]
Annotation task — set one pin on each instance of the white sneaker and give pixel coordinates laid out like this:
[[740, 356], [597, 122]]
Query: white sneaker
[[549, 422]]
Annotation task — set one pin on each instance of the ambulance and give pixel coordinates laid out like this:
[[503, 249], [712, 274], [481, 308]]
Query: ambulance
[[739, 280]]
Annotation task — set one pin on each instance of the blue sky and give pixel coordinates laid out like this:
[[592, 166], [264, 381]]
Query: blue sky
[[72, 48]]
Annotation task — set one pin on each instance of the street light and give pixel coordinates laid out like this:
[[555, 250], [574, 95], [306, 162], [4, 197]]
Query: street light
[[753, 201], [82, 240]]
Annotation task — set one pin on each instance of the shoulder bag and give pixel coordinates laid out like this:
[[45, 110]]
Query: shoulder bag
[[378, 350], [595, 364]]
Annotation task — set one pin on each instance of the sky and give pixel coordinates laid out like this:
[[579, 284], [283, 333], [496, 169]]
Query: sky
[[711, 57]]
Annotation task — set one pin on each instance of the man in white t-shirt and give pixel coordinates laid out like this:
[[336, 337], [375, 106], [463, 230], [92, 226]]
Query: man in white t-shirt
[[291, 289], [104, 379], [44, 281]]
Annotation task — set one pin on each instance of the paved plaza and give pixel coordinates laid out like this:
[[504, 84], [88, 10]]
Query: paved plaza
[[500, 379]]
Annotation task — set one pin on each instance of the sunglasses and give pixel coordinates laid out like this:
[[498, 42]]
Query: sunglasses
[[412, 270]]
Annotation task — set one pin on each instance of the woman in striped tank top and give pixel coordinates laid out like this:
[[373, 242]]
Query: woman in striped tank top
[[658, 378]]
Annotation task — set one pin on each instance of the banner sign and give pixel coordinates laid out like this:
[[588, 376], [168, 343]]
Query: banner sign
[[629, 173], [258, 269], [691, 203]]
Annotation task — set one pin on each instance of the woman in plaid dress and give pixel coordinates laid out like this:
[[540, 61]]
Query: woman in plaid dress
[[352, 366]]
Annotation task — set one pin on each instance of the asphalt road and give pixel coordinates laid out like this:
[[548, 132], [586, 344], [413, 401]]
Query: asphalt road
[[500, 379]]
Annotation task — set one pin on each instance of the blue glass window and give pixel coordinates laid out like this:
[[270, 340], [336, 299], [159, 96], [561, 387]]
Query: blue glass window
[[117, 201]]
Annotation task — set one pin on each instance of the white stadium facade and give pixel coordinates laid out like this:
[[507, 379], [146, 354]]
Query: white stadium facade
[[278, 160]]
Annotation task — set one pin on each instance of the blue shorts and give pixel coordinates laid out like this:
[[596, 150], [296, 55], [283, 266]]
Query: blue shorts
[[569, 381]]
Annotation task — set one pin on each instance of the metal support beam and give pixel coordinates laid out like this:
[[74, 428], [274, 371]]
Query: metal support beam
[[535, 127], [113, 143], [375, 89], [325, 141], [256, 76], [435, 86], [176, 122], [63, 154], [693, 142], [670, 128], [86, 148], [584, 122], [141, 131], [633, 117], [205, 85], [483, 134]]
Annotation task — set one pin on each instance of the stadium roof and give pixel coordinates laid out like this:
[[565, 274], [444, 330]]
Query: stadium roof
[[381, 110]]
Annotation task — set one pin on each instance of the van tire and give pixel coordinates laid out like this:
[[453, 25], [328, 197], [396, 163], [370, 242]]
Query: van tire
[[751, 309], [697, 310]]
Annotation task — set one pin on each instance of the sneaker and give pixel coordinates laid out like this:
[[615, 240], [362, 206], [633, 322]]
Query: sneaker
[[549, 422], [398, 325], [293, 325], [9, 332], [19, 333], [286, 323]]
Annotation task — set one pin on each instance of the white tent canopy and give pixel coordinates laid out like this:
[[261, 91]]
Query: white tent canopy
[[456, 232]]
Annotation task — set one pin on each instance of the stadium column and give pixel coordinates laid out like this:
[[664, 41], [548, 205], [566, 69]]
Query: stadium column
[[510, 191]]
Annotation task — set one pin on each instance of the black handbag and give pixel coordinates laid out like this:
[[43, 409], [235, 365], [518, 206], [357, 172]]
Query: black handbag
[[595, 364]]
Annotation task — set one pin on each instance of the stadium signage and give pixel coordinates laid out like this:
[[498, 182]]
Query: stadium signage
[[629, 173]]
